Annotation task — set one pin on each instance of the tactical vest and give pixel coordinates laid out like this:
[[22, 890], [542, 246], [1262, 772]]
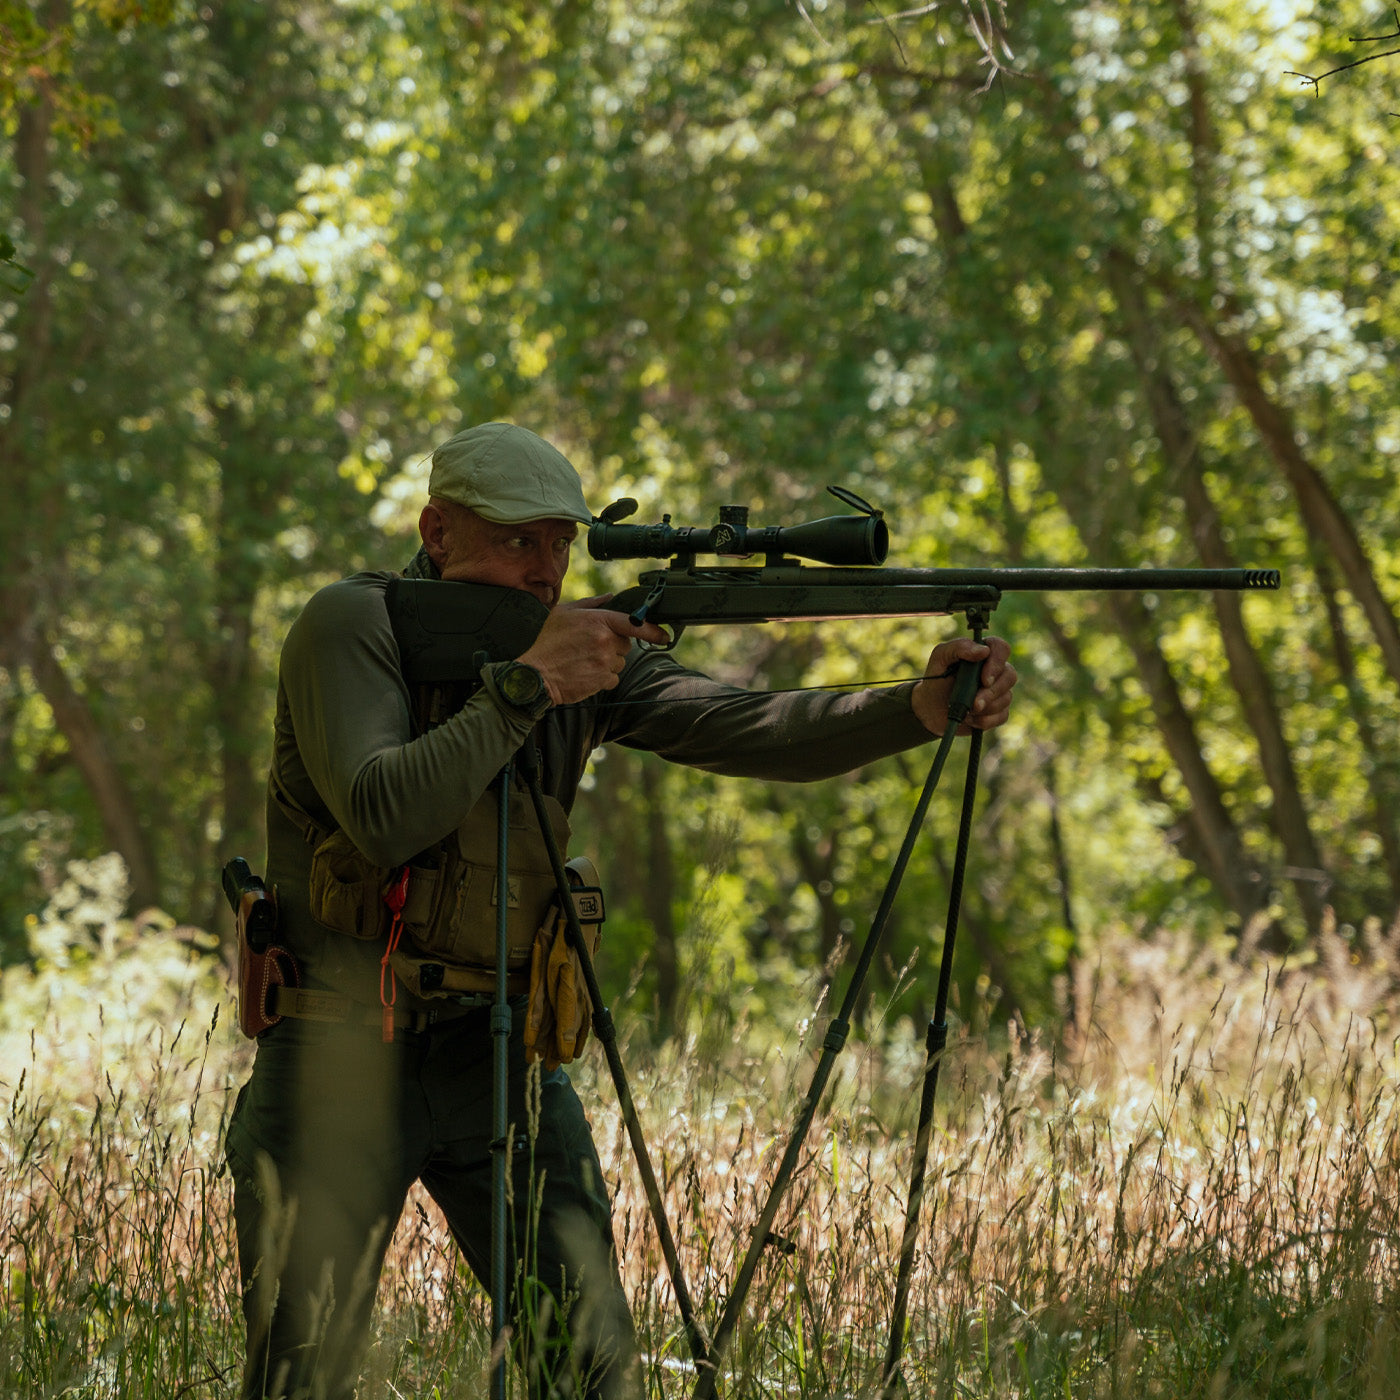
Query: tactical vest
[[452, 898]]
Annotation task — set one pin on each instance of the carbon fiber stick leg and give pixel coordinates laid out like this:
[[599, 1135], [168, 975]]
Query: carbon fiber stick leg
[[936, 1039], [500, 1097], [606, 1031], [964, 689]]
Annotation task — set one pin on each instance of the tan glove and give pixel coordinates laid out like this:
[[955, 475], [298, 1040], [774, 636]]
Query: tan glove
[[539, 1013], [557, 1017]]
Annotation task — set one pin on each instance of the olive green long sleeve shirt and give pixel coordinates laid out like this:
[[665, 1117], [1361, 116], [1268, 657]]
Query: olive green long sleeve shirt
[[345, 748]]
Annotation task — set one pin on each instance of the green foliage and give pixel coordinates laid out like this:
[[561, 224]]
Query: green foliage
[[14, 276], [717, 257], [257, 258]]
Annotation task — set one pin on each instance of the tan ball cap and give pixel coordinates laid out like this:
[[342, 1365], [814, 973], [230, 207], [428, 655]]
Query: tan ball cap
[[507, 475]]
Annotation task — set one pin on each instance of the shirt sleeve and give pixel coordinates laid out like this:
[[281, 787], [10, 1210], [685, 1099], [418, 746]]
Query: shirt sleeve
[[394, 794], [788, 736]]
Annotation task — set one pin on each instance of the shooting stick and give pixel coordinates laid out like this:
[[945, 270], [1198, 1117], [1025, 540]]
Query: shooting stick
[[964, 690], [500, 1098], [606, 1031], [935, 1040], [432, 624]]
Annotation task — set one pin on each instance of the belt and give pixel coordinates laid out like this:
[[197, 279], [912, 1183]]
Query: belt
[[305, 1004]]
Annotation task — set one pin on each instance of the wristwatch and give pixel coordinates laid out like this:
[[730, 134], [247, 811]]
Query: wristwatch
[[523, 688]]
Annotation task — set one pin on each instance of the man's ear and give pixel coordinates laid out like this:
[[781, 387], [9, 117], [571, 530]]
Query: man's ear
[[432, 527]]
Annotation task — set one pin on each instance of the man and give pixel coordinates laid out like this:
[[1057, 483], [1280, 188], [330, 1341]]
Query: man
[[335, 1124]]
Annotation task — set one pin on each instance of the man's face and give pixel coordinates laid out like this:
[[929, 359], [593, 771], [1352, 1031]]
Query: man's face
[[533, 556]]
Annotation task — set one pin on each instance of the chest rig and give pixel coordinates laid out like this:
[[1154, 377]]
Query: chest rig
[[453, 895], [447, 898]]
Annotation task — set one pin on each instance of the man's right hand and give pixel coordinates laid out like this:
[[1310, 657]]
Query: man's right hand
[[583, 646]]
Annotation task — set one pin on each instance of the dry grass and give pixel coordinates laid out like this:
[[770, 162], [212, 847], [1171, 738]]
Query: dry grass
[[1200, 1198]]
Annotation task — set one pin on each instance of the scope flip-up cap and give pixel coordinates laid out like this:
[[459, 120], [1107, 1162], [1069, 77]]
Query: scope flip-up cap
[[507, 475]]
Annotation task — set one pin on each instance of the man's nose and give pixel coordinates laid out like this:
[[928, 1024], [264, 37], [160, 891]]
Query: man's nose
[[548, 566]]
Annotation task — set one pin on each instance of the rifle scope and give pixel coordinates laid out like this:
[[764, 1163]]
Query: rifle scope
[[836, 539]]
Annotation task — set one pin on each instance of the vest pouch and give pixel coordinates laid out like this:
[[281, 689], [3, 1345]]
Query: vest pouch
[[347, 888], [460, 926], [429, 978]]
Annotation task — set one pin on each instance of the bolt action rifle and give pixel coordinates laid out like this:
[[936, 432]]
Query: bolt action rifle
[[684, 595], [440, 628]]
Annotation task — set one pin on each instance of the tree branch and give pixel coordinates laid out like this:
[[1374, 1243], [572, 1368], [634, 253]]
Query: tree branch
[[1345, 67]]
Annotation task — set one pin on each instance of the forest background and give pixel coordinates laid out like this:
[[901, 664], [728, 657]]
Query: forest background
[[1074, 283], [1106, 284]]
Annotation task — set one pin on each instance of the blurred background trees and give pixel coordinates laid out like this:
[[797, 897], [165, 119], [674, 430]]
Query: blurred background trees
[[1080, 284]]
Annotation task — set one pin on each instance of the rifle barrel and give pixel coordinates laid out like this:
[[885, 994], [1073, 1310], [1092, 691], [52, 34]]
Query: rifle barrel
[[1088, 580], [1034, 579], [798, 591]]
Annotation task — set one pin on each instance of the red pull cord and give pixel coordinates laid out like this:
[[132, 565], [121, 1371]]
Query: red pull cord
[[395, 897]]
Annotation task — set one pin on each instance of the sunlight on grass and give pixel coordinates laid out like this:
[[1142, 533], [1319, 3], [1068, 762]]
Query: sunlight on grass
[[1197, 1198]]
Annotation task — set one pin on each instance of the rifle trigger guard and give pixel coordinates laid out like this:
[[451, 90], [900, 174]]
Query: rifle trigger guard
[[674, 636]]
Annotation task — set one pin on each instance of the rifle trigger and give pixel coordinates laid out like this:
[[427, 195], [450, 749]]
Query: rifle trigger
[[669, 644]]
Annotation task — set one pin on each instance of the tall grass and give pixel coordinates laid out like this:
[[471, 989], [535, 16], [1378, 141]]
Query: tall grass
[[1197, 1195]]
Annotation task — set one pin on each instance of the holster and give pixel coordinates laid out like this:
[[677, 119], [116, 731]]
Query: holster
[[258, 974]]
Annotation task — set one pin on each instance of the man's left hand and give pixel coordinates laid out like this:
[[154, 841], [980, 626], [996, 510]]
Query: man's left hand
[[992, 703]]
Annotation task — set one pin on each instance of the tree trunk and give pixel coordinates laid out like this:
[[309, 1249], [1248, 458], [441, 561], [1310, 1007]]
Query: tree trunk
[[1058, 851], [1379, 771], [23, 639], [1181, 447], [1232, 871], [115, 804], [1218, 841], [1315, 499], [1205, 146], [1078, 982]]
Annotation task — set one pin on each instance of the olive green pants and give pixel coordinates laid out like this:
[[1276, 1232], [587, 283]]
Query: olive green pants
[[327, 1136]]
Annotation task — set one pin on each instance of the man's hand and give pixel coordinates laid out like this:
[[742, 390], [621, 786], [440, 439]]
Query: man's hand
[[582, 647], [993, 700]]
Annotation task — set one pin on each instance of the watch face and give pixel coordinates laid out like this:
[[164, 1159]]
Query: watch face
[[521, 685]]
